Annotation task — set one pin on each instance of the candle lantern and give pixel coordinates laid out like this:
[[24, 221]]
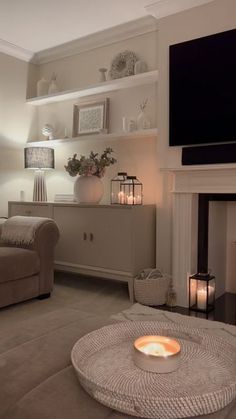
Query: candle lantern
[[117, 195], [132, 190], [202, 292]]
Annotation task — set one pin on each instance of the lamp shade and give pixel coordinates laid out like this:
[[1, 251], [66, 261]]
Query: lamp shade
[[39, 158]]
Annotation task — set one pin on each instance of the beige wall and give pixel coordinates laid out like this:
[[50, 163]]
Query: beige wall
[[17, 122], [210, 18]]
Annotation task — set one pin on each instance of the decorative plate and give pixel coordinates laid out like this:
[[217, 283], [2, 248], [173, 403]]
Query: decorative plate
[[123, 65], [204, 383]]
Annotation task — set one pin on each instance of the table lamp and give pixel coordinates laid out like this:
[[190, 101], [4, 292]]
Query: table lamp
[[39, 159]]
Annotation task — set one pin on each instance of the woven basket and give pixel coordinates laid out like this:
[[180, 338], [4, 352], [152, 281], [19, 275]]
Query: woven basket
[[151, 292]]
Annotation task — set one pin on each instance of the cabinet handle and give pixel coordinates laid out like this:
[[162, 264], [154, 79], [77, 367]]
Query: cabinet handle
[[85, 236], [91, 237]]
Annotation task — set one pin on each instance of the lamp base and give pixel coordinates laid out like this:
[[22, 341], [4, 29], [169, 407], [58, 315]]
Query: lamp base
[[40, 191]]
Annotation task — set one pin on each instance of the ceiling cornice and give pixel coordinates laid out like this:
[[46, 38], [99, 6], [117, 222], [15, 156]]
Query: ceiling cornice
[[162, 8], [15, 51], [97, 40]]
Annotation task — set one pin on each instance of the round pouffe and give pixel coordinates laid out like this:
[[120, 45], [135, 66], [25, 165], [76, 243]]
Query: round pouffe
[[88, 189]]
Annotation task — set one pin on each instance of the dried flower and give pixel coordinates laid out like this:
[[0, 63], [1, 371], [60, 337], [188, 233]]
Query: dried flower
[[143, 104], [93, 165]]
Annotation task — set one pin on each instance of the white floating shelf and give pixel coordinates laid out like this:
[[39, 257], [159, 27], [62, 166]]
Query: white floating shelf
[[145, 133], [107, 86]]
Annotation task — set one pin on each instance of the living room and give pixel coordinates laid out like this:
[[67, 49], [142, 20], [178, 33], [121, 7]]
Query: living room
[[74, 62]]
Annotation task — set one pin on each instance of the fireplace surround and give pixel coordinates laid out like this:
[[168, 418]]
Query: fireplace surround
[[189, 187]]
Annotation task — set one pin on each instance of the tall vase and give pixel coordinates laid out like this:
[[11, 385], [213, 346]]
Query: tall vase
[[88, 189], [142, 121]]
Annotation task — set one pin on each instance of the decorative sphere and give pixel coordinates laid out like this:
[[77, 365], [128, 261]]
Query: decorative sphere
[[47, 130]]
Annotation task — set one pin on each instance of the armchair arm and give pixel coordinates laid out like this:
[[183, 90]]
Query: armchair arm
[[2, 221], [45, 239]]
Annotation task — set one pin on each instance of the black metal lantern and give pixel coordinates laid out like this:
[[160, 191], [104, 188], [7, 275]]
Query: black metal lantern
[[202, 292], [132, 191], [117, 195]]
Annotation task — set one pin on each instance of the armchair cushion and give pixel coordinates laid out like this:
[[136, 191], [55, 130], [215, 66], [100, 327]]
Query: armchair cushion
[[17, 263]]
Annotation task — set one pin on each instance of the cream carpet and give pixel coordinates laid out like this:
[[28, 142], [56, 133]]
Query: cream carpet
[[36, 377]]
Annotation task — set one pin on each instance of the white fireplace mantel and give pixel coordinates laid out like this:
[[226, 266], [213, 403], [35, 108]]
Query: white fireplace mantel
[[187, 184], [205, 181]]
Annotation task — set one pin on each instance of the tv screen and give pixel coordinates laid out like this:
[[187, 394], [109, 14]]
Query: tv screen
[[202, 106]]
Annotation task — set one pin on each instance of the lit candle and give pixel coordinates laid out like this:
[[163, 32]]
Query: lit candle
[[202, 298], [139, 199], [121, 197], [131, 200], [157, 353], [211, 290]]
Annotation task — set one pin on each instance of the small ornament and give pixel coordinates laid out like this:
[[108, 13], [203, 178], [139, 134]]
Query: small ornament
[[142, 121], [102, 74], [65, 133], [53, 87], [140, 67], [47, 131], [171, 295]]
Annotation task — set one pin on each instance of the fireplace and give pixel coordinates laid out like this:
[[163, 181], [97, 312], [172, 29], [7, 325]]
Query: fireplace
[[194, 190]]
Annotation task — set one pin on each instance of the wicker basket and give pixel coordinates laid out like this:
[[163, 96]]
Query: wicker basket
[[152, 291]]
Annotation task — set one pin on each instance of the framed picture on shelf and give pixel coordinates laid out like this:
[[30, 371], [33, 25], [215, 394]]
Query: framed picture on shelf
[[91, 118]]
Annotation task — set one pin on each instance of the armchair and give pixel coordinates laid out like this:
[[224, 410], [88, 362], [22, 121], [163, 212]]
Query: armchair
[[26, 258]]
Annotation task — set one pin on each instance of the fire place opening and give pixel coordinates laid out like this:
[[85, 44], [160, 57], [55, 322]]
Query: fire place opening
[[203, 226]]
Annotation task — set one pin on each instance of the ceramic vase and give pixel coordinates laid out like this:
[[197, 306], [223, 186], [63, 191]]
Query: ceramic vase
[[88, 189], [142, 121], [140, 67], [102, 74], [42, 87], [53, 87]]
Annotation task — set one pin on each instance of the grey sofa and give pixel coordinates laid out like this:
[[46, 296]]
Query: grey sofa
[[26, 271]]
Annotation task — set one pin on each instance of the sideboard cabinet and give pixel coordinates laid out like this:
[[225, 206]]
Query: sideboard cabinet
[[106, 241]]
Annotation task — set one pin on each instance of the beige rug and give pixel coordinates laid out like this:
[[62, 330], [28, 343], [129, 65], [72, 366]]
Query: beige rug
[[36, 377]]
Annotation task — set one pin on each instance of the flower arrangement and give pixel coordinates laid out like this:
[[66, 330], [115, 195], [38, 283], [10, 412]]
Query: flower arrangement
[[93, 165]]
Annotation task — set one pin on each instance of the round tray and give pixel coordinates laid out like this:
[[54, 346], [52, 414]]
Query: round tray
[[204, 383]]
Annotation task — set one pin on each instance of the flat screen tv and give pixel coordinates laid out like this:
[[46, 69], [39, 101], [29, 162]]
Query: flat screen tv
[[202, 106]]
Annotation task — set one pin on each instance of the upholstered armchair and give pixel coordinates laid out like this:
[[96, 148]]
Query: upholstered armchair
[[26, 258]]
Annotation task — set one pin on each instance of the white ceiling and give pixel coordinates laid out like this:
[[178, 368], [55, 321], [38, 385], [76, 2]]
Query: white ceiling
[[36, 25]]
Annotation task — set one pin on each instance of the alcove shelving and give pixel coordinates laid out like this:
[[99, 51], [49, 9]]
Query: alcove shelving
[[95, 89], [142, 134]]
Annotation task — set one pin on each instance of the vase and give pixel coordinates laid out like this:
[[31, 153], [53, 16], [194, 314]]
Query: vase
[[102, 74], [140, 67], [53, 87], [42, 87], [143, 121], [88, 189]]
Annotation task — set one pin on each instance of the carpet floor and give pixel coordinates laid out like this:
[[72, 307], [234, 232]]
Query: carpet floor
[[36, 337]]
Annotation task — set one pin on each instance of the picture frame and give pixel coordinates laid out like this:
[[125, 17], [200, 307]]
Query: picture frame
[[91, 118]]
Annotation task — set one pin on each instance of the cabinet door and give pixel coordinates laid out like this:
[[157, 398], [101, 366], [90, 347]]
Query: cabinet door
[[93, 236], [33, 210]]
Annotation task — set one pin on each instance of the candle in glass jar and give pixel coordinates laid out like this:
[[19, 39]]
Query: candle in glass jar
[[202, 298], [159, 354], [121, 197], [131, 200]]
